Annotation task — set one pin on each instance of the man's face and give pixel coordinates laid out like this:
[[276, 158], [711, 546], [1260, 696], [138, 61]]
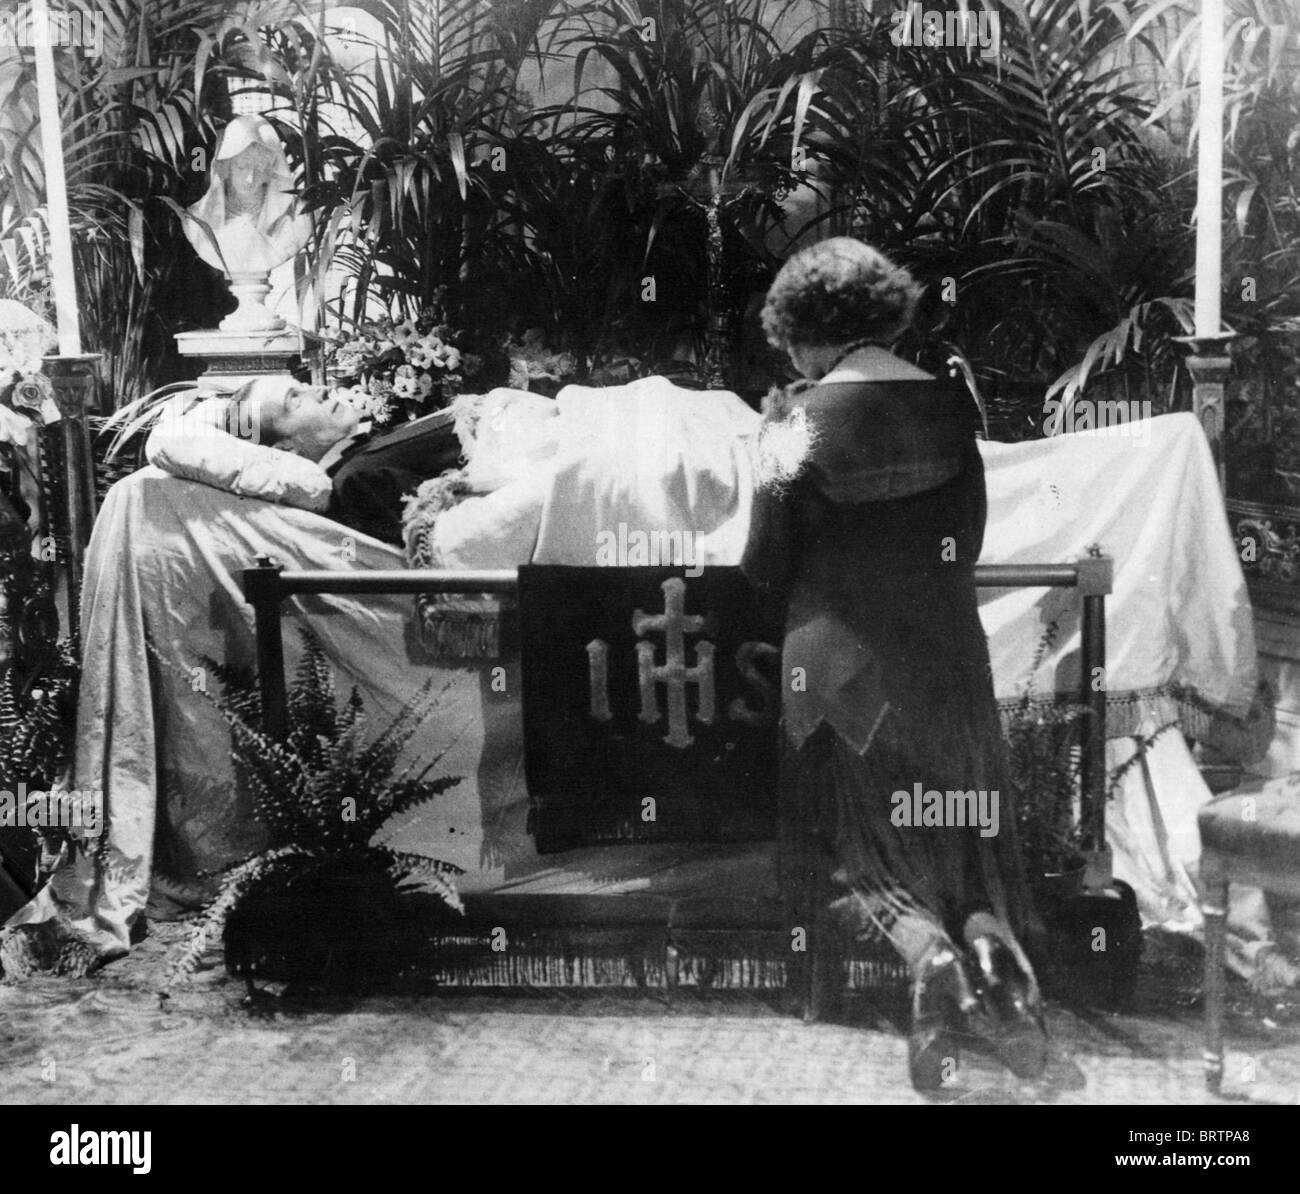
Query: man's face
[[298, 418]]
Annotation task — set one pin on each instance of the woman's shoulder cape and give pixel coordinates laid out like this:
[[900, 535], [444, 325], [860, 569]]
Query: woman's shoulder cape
[[872, 441]]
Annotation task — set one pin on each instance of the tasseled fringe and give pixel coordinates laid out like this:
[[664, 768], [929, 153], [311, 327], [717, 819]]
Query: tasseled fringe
[[732, 974], [548, 962], [420, 513], [539, 960], [576, 969], [518, 968], [458, 633], [1245, 739], [451, 625], [871, 974], [1133, 713]]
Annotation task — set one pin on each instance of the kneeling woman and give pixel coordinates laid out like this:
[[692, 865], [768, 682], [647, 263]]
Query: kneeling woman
[[868, 522]]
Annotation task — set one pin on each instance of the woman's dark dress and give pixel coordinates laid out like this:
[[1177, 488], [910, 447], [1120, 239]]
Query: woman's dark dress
[[885, 664]]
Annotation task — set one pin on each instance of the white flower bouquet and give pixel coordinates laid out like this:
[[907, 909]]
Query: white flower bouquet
[[391, 370]]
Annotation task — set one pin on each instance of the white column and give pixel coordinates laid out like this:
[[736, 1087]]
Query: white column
[[1209, 172], [56, 187]]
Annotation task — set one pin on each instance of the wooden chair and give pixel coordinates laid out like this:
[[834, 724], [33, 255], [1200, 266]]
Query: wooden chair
[[1251, 838]]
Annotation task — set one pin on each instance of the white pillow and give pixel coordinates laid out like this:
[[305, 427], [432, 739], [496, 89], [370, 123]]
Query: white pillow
[[194, 447]]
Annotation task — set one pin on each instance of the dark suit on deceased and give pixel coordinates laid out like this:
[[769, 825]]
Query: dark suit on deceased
[[377, 471]]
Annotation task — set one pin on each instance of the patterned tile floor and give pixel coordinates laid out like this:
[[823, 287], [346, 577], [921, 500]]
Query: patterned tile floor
[[106, 1039]]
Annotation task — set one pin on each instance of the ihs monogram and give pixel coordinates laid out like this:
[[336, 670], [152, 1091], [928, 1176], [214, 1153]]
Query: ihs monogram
[[675, 674]]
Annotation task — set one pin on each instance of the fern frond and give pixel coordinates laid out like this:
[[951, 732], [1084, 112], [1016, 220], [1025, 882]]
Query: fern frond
[[433, 874], [240, 691], [8, 707], [298, 787], [381, 756], [235, 886]]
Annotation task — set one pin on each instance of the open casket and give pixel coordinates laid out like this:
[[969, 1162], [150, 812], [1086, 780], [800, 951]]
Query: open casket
[[166, 587]]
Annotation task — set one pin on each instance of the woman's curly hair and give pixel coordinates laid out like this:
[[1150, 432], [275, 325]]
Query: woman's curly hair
[[837, 291]]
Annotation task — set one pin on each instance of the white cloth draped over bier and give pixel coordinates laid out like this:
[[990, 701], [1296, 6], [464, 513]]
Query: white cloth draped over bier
[[658, 458]]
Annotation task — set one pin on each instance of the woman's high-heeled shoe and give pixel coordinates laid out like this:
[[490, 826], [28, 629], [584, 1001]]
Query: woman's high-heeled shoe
[[1010, 1014], [941, 997]]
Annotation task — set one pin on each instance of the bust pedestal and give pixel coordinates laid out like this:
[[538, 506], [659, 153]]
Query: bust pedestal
[[235, 357], [252, 315]]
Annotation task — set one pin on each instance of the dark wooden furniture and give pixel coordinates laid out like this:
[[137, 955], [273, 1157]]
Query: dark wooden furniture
[[1251, 838]]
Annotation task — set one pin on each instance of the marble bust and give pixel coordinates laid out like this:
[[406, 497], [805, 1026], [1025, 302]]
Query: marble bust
[[248, 222]]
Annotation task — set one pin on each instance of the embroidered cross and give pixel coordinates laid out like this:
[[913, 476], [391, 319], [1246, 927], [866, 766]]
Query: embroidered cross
[[675, 624]]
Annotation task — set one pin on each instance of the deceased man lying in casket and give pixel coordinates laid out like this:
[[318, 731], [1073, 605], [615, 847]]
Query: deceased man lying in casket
[[504, 478], [370, 472]]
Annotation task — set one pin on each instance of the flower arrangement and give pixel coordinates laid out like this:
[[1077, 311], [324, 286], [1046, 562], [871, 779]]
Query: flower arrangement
[[392, 370], [26, 396]]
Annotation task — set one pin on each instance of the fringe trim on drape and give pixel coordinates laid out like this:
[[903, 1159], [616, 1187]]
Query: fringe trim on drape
[[732, 974], [553, 968], [578, 970], [452, 625], [870, 975], [458, 633], [1135, 712], [469, 962], [420, 512]]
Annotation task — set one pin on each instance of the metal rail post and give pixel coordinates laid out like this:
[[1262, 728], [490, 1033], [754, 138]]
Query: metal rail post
[[262, 591], [1096, 579]]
